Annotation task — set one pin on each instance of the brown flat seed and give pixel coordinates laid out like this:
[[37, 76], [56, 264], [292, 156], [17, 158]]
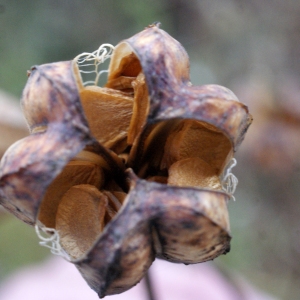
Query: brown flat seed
[[76, 172], [193, 138], [194, 172], [80, 218], [108, 113]]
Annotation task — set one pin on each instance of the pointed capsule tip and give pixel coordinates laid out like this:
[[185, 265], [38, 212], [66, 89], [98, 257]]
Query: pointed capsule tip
[[154, 24], [29, 72]]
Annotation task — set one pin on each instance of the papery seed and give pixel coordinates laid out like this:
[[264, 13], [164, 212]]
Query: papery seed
[[76, 172], [193, 172], [80, 218]]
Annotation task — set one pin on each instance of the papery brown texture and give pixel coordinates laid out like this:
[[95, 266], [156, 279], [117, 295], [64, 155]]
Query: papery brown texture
[[59, 130], [165, 64], [130, 171]]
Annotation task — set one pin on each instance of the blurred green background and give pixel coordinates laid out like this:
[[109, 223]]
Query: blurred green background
[[249, 46]]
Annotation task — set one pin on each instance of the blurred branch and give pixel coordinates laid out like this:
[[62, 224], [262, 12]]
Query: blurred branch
[[149, 286]]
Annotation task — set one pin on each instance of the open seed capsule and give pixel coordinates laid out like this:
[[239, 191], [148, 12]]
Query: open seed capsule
[[121, 174]]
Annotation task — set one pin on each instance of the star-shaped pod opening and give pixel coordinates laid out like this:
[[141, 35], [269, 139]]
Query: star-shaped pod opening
[[120, 174]]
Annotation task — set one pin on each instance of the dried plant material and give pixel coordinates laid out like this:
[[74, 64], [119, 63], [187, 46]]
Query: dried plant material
[[229, 180], [193, 172], [146, 154], [127, 172], [122, 83], [109, 109], [202, 232], [87, 64], [120, 196], [77, 232], [49, 238], [59, 131], [125, 63], [197, 139], [76, 172], [159, 179], [113, 201], [126, 75], [140, 108]]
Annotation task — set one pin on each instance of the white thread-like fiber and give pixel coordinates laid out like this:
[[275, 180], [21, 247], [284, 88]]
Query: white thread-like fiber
[[50, 241], [89, 63], [229, 180]]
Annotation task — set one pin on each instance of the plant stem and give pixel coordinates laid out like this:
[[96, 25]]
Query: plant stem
[[149, 286]]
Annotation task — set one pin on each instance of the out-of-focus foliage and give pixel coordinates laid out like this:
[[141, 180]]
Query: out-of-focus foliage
[[250, 46], [18, 245]]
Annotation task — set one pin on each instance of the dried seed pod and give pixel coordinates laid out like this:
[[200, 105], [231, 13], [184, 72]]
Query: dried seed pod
[[75, 173], [175, 125]]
